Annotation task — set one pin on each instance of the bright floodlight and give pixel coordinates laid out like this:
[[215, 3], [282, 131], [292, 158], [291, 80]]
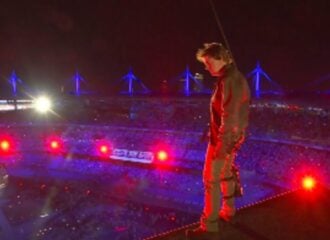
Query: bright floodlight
[[42, 104]]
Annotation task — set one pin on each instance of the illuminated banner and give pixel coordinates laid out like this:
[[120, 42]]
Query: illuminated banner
[[11, 105], [132, 155]]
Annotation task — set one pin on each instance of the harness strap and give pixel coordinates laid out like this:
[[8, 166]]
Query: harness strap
[[231, 178]]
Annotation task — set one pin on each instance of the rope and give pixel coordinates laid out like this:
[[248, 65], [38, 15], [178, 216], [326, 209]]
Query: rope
[[221, 29]]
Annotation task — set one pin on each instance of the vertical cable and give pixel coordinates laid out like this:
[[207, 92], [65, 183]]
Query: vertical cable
[[221, 30]]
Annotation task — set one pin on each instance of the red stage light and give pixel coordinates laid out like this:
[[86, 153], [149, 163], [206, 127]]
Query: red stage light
[[308, 177], [162, 156], [54, 144], [5, 145], [308, 183], [104, 149]]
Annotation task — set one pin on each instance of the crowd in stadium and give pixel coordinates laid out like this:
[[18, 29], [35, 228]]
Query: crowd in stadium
[[119, 198], [302, 122]]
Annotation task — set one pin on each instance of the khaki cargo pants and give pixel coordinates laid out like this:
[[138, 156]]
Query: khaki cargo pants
[[218, 180]]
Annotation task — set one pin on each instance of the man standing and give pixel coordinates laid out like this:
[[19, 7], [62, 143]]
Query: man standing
[[229, 110]]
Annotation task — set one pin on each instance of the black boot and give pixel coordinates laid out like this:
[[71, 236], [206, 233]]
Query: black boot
[[226, 218]]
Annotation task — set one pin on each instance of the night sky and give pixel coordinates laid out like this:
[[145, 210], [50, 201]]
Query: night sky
[[45, 41]]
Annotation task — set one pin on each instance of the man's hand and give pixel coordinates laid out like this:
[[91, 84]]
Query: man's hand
[[227, 143]]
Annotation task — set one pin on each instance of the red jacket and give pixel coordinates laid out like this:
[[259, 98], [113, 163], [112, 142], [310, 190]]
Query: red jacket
[[229, 106]]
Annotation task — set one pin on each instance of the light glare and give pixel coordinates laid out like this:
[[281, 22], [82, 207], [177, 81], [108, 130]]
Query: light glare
[[42, 104]]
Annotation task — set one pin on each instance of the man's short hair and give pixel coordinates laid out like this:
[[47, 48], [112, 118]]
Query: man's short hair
[[215, 50]]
